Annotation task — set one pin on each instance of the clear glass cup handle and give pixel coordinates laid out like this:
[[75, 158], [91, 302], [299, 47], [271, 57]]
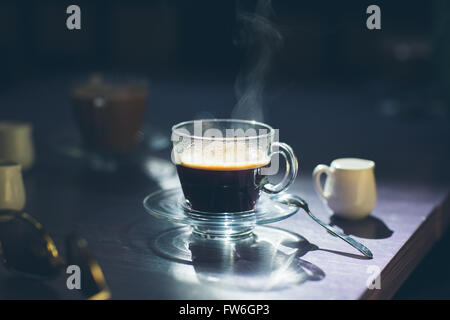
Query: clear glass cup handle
[[291, 169]]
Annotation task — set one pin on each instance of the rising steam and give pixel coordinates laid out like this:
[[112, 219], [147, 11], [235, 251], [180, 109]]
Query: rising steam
[[258, 36]]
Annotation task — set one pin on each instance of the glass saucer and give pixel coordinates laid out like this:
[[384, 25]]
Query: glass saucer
[[270, 259], [169, 204]]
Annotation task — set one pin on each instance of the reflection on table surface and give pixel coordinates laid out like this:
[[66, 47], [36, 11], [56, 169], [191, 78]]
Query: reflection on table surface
[[107, 209]]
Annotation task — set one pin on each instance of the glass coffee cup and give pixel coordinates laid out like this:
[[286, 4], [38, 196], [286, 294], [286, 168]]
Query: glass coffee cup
[[223, 164], [109, 112]]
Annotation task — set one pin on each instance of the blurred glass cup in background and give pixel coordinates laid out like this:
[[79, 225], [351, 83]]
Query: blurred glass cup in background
[[16, 143], [12, 191], [109, 112]]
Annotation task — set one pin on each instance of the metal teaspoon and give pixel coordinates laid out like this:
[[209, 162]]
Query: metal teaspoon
[[296, 201]]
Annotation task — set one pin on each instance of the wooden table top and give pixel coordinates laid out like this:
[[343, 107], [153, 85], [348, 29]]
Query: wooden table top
[[400, 231], [292, 259]]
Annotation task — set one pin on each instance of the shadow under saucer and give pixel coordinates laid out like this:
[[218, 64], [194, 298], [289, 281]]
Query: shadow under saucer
[[261, 261], [370, 227]]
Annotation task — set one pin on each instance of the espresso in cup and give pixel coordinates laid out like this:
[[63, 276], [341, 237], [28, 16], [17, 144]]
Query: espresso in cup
[[222, 164], [213, 183]]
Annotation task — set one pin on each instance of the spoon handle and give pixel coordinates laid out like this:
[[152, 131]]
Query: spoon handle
[[293, 200], [363, 249]]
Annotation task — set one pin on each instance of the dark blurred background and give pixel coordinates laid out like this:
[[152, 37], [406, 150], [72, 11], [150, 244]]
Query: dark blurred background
[[323, 41], [327, 53], [334, 87], [346, 81]]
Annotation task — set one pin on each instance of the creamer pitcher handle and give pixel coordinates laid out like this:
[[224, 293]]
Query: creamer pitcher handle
[[318, 171]]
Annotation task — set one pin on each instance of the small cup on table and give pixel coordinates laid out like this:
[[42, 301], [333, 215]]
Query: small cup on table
[[350, 189]]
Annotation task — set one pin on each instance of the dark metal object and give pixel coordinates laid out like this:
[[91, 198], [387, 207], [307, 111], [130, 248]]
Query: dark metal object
[[26, 248], [93, 283]]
